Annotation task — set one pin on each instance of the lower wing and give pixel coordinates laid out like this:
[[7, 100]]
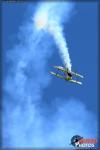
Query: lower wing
[[74, 81], [57, 75]]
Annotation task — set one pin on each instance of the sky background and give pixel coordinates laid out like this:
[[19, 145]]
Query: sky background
[[29, 89]]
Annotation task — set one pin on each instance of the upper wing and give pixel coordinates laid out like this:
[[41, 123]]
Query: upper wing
[[60, 68], [78, 75]]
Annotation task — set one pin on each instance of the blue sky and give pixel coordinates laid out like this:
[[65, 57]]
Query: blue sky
[[34, 88]]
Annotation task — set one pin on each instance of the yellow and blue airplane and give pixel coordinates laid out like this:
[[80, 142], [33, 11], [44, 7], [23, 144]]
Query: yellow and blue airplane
[[68, 75]]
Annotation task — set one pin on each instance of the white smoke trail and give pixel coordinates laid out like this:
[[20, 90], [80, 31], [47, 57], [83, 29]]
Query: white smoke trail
[[51, 20], [57, 33]]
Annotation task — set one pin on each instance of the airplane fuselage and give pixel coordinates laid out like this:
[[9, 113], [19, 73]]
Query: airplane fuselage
[[68, 78]]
